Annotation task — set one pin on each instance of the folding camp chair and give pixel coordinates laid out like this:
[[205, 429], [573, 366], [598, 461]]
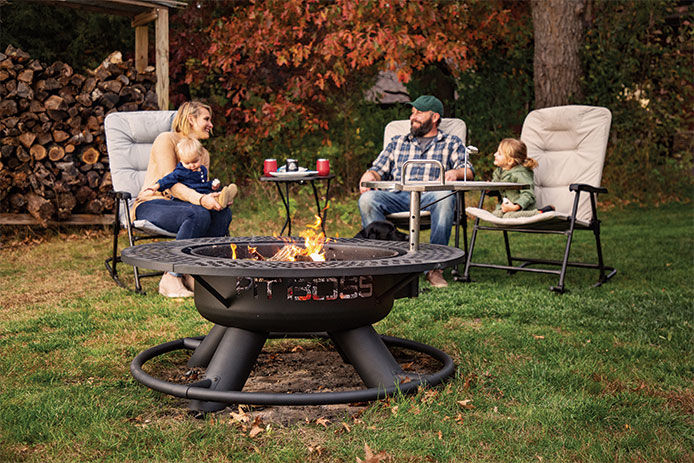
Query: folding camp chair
[[569, 144], [129, 139], [401, 220]]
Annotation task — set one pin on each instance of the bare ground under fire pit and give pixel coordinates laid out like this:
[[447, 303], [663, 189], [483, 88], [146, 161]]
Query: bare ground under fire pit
[[300, 366]]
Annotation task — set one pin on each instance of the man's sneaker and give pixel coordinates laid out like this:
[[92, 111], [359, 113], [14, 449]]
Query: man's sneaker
[[436, 279]]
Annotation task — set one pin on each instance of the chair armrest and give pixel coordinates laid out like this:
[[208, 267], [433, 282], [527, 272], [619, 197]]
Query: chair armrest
[[122, 195], [588, 188]]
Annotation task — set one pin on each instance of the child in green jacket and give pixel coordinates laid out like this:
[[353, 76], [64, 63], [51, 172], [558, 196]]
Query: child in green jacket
[[514, 165]]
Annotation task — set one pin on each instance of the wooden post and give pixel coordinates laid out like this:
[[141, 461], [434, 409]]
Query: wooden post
[[162, 56], [141, 46], [140, 22]]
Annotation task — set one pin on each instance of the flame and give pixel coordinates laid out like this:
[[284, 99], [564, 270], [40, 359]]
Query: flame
[[314, 240], [313, 249]]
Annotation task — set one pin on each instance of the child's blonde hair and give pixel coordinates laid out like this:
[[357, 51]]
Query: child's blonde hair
[[188, 149], [181, 122], [515, 151]]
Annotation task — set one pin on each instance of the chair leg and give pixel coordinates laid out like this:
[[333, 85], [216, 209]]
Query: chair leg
[[131, 240], [507, 246], [461, 220], [468, 258], [560, 287], [468, 253], [601, 264]]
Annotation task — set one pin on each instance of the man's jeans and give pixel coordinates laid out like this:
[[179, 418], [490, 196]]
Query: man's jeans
[[374, 205]]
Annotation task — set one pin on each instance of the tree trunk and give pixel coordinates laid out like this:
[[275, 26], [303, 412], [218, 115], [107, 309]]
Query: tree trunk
[[558, 31]]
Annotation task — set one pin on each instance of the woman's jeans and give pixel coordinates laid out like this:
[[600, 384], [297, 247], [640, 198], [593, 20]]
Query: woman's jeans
[[374, 205], [185, 219]]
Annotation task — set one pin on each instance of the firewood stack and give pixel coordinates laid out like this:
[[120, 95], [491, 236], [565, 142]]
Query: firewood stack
[[53, 159]]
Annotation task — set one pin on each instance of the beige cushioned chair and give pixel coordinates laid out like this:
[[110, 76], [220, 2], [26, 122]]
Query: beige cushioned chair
[[129, 139], [569, 144]]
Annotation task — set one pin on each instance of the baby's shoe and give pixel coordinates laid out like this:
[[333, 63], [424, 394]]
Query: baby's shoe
[[227, 195], [546, 209]]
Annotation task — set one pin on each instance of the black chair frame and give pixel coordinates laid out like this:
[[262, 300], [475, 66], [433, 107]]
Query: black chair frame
[[572, 225], [121, 201]]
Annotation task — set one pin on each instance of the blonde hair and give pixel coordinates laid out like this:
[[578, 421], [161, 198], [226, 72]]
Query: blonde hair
[[189, 150], [181, 122], [515, 151]]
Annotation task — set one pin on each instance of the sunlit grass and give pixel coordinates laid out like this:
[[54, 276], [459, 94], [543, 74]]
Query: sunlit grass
[[597, 374]]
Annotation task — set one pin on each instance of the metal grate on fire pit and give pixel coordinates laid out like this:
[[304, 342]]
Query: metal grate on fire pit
[[344, 257]]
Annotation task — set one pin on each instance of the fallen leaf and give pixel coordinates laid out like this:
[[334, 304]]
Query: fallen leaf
[[538, 336], [415, 411], [466, 404], [297, 349], [241, 416], [256, 428], [430, 395], [459, 418], [323, 422], [407, 366], [440, 435], [369, 456], [469, 381], [346, 426]]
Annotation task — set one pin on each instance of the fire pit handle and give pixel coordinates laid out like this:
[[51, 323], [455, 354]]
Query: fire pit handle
[[436, 163]]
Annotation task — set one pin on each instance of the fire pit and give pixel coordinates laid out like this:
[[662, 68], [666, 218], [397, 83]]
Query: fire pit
[[253, 300]]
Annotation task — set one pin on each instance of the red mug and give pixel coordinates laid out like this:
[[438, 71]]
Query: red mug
[[270, 165], [323, 167]]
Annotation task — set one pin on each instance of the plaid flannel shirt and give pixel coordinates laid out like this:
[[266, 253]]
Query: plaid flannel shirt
[[449, 150]]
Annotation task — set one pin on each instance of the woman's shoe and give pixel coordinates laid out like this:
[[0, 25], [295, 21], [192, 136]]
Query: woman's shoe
[[172, 286]]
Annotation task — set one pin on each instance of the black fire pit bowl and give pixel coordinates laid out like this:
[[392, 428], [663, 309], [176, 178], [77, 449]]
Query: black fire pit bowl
[[251, 300]]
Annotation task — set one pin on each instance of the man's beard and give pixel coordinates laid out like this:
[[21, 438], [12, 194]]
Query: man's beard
[[424, 128]]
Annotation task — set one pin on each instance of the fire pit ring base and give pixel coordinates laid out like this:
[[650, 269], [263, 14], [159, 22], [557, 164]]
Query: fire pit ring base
[[199, 391]]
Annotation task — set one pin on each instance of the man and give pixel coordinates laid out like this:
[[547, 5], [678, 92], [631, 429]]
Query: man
[[425, 141]]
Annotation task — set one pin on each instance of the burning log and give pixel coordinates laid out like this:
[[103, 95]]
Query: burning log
[[50, 116]]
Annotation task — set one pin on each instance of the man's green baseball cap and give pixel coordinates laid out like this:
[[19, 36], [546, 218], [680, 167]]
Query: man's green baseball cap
[[428, 103]]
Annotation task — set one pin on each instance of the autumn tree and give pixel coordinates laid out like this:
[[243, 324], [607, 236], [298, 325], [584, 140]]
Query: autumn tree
[[294, 63]]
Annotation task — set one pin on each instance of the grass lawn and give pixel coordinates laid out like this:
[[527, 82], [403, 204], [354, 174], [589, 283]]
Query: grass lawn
[[597, 374]]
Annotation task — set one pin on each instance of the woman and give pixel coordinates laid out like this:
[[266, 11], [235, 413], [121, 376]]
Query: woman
[[183, 210]]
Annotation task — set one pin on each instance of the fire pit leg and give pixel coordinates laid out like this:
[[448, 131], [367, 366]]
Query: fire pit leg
[[203, 353], [368, 355], [231, 364]]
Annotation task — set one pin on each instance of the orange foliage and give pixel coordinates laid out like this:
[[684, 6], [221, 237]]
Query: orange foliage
[[285, 62]]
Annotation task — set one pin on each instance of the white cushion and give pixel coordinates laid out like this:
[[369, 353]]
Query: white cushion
[[569, 144], [544, 220]]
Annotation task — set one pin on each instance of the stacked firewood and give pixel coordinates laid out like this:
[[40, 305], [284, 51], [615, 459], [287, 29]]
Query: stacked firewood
[[53, 159]]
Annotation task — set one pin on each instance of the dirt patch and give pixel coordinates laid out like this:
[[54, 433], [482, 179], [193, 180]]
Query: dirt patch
[[302, 367]]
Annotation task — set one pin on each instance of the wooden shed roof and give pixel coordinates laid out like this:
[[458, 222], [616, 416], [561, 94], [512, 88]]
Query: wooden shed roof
[[119, 7]]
